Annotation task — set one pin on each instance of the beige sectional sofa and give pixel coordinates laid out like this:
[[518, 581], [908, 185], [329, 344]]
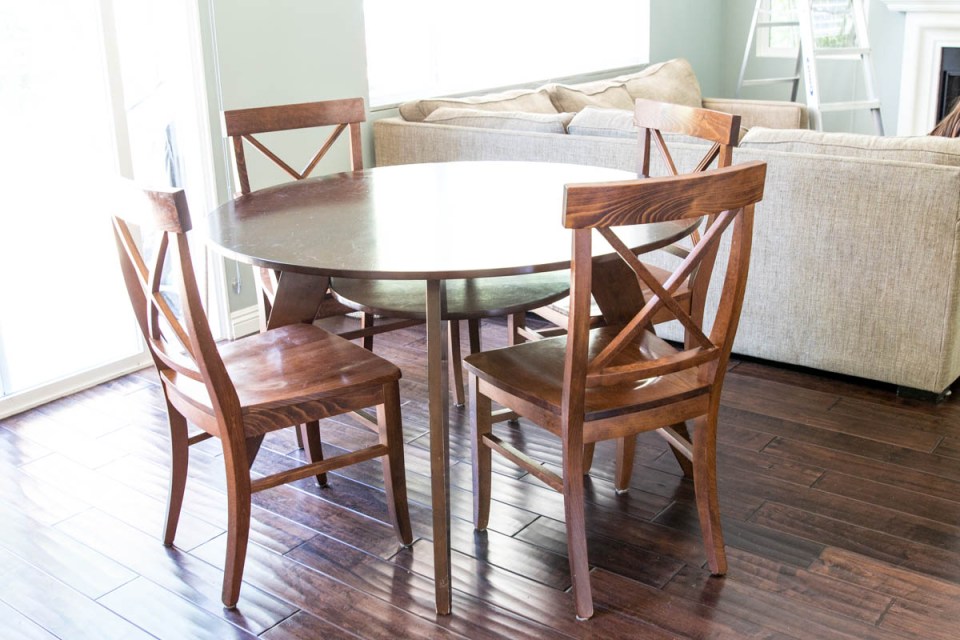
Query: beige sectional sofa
[[856, 260]]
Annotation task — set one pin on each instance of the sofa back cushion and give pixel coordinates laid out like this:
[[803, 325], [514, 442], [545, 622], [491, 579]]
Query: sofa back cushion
[[671, 81], [601, 93], [923, 149], [531, 101], [511, 120]]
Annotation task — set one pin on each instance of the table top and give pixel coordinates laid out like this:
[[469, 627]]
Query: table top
[[418, 221]]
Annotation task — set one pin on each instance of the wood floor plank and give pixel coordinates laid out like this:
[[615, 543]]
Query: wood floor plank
[[76, 565], [13, 624], [141, 511], [176, 571], [303, 626], [166, 616], [740, 597], [337, 603], [475, 618], [62, 611], [815, 409], [936, 562], [515, 592]]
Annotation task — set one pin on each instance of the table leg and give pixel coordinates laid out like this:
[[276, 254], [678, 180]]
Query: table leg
[[297, 298], [437, 384]]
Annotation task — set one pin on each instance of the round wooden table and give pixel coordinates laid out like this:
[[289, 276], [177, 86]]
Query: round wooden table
[[428, 222]]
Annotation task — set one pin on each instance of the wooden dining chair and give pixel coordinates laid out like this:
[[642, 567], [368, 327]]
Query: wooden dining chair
[[594, 384], [335, 117], [239, 391], [656, 122]]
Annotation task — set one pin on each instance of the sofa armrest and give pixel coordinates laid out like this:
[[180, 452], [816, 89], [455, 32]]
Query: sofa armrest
[[772, 114]]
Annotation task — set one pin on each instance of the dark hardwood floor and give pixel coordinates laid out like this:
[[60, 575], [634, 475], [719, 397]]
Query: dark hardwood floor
[[841, 512]]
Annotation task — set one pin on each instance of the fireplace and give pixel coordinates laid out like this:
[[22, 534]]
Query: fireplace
[[949, 80], [931, 29]]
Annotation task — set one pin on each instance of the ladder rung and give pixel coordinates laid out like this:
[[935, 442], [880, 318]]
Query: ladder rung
[[779, 23], [850, 106], [828, 53], [759, 82]]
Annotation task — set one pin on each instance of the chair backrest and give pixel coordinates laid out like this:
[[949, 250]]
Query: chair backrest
[[242, 124], [656, 118], [175, 326], [729, 194]]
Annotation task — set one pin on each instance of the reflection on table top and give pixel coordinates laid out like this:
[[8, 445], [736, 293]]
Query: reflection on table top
[[421, 221]]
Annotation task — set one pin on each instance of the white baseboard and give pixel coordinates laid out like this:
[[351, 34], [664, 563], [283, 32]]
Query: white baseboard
[[244, 321]]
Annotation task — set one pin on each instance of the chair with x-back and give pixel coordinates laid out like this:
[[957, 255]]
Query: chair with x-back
[[240, 391], [617, 380], [346, 295], [661, 124], [332, 118]]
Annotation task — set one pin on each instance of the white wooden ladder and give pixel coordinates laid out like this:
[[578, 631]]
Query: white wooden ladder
[[809, 54]]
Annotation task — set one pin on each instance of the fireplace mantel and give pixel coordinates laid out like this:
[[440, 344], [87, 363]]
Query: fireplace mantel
[[929, 27]]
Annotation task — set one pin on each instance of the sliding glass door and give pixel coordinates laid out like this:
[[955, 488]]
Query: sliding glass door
[[88, 89]]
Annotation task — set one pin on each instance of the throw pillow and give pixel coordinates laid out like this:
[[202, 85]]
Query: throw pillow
[[514, 120], [602, 93], [532, 101], [671, 81]]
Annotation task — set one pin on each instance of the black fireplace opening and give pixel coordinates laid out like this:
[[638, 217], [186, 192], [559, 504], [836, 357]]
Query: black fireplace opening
[[949, 80]]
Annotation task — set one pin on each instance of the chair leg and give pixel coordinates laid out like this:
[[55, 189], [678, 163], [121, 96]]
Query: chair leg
[[573, 499], [366, 322], [238, 521], [179, 459], [390, 426], [626, 448], [685, 464], [313, 446], [473, 332], [588, 450], [515, 322], [456, 361], [480, 425], [705, 489]]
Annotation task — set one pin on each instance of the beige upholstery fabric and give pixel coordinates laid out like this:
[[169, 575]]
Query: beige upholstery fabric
[[594, 94], [762, 113], [671, 81], [927, 149], [617, 123], [536, 101], [856, 261], [541, 122]]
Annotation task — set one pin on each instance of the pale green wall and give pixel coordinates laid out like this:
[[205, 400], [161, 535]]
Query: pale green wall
[[261, 52], [839, 80]]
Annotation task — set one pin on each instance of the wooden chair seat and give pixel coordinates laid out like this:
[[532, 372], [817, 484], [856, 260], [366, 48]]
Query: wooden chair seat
[[466, 299], [532, 373], [278, 390]]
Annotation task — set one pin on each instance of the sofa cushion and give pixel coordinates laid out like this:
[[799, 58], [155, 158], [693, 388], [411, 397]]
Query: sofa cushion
[[594, 121], [601, 93], [532, 101], [617, 123], [671, 81], [514, 120], [924, 149]]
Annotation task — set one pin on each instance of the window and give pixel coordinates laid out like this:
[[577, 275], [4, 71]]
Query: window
[[833, 26], [436, 47], [93, 88]]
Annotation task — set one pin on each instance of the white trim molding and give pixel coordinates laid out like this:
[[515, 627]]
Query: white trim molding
[[244, 322], [929, 27]]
